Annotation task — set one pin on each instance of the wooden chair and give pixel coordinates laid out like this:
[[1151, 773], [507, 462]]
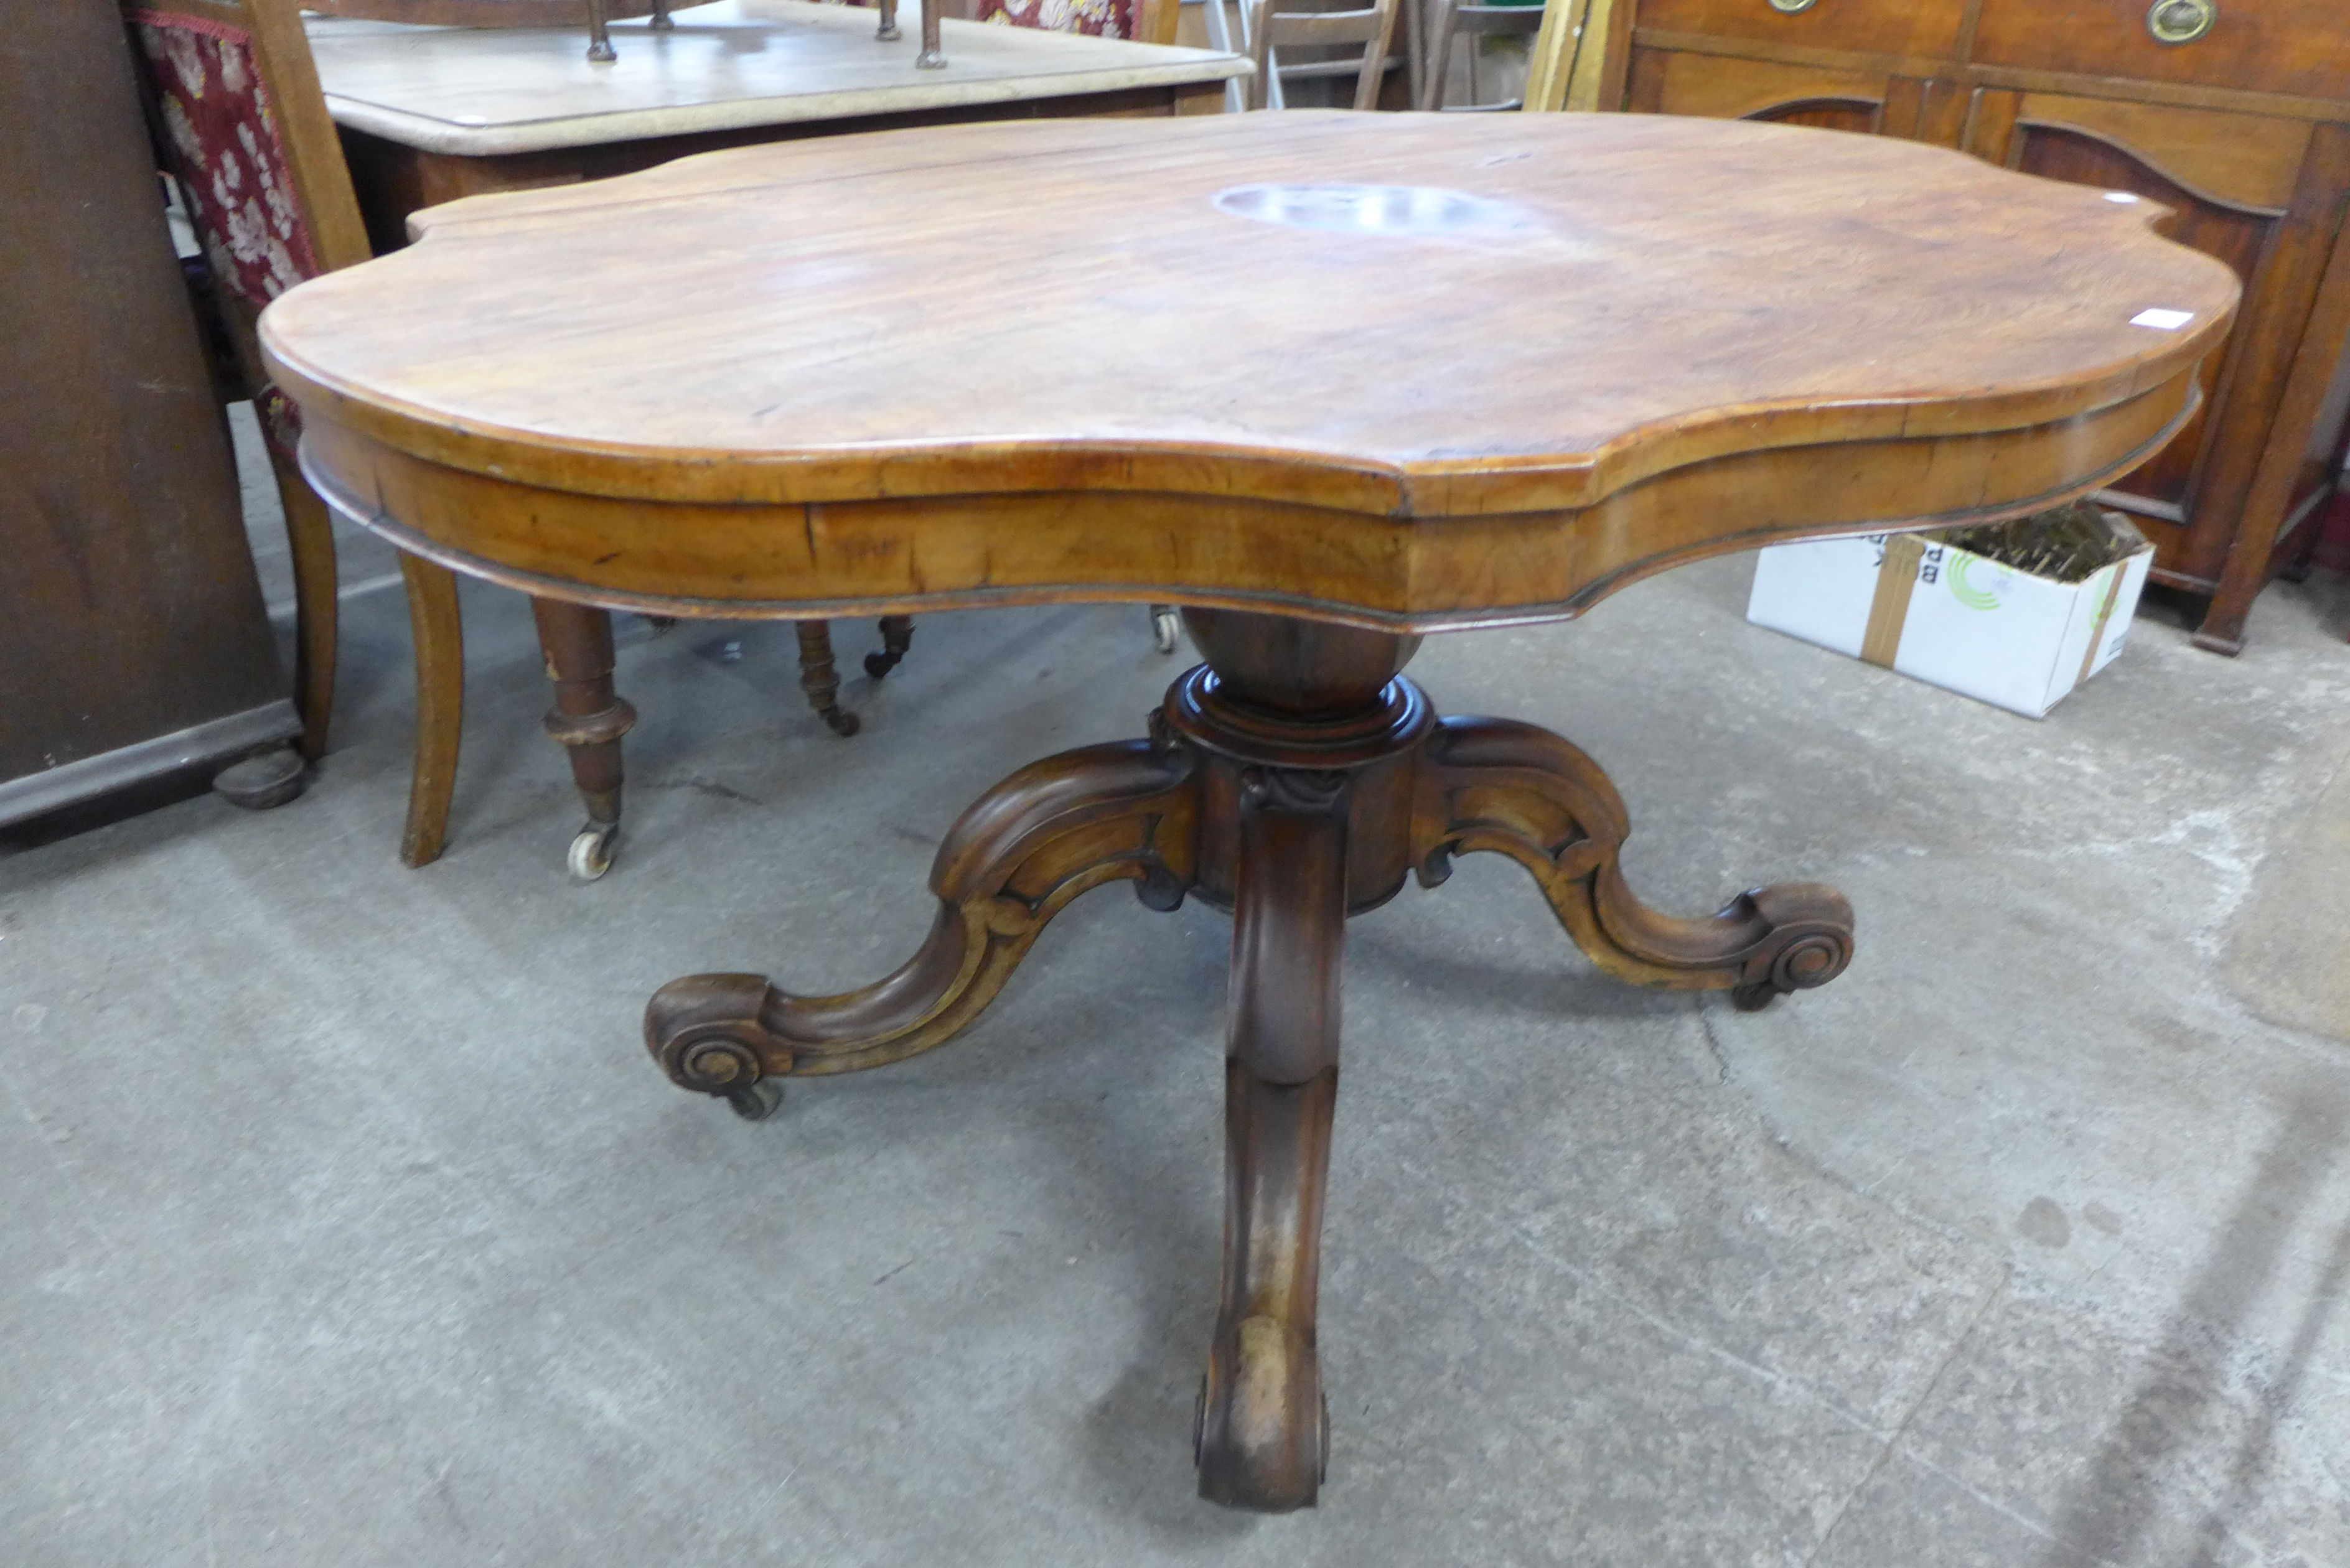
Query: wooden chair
[[1580, 47], [242, 126], [1371, 27], [1447, 20]]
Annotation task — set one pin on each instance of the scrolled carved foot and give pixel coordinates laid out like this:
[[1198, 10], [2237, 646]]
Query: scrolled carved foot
[[1262, 1437], [1515, 790], [1013, 861]]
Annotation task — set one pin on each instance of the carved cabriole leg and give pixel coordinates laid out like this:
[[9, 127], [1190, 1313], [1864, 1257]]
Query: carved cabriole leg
[[887, 31], [818, 679], [1262, 1425], [1491, 785], [1306, 730], [897, 636], [1011, 862], [589, 718]]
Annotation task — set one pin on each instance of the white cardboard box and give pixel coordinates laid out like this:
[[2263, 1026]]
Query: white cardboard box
[[1949, 617]]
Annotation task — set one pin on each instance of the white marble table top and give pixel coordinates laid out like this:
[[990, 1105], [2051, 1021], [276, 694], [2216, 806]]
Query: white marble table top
[[478, 91]]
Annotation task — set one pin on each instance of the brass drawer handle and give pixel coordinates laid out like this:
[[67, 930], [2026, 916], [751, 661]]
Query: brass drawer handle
[[2175, 21], [1790, 7]]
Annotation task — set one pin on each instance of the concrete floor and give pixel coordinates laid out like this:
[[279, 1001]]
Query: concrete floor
[[349, 1222]]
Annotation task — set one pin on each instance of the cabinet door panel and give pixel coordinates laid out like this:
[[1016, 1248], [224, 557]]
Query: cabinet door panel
[[1910, 29], [2299, 46], [1715, 87], [2239, 236], [2243, 159]]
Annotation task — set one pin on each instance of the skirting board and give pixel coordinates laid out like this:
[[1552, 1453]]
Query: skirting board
[[218, 740]]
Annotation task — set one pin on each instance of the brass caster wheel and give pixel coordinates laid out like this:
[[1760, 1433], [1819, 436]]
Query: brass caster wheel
[[843, 722], [758, 1102], [1164, 625], [1754, 998], [590, 855]]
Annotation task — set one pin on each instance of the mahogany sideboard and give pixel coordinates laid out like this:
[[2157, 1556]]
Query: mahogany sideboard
[[2234, 113]]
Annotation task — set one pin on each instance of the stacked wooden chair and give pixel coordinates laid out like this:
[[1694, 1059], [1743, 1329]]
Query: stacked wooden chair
[[243, 128], [1449, 19]]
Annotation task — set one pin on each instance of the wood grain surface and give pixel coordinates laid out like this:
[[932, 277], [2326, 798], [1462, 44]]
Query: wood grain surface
[[1038, 361]]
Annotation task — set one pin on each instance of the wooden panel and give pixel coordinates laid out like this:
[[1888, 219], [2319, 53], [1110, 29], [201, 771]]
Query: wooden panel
[[1911, 29], [2238, 238], [129, 608], [2251, 161], [1719, 87], [2299, 46]]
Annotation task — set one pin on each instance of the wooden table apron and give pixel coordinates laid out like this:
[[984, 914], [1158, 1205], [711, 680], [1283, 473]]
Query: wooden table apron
[[1660, 340]]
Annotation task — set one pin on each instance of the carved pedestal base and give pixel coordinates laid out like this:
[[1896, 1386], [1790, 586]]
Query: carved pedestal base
[[1295, 779]]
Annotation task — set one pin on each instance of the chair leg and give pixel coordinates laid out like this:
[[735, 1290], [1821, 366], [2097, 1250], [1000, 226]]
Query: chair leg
[[440, 638], [1439, 63], [310, 538], [897, 636], [589, 718], [818, 678]]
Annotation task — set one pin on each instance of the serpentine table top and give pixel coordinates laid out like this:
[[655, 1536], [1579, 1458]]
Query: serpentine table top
[[1325, 381], [1516, 361]]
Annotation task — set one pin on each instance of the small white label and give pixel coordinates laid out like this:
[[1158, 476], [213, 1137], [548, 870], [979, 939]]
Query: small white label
[[2162, 320], [2124, 197]]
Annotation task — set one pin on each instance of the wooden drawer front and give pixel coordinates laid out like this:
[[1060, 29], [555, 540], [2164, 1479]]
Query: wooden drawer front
[[2298, 47], [1714, 86], [1909, 29]]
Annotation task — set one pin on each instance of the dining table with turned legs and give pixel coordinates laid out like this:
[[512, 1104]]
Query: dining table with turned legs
[[1162, 362]]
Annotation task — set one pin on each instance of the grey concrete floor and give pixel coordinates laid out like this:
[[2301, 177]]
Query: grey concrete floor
[[348, 1221]]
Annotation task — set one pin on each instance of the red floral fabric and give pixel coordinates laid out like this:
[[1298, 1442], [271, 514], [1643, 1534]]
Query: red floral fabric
[[1096, 18], [281, 421], [232, 163]]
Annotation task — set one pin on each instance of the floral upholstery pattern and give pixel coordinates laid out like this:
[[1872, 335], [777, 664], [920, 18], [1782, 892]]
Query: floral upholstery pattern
[[1096, 18], [232, 164]]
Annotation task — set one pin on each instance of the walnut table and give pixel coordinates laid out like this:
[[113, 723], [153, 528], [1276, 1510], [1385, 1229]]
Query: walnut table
[[1128, 360]]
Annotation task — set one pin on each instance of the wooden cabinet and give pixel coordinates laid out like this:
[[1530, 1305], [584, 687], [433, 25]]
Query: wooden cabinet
[[2242, 131]]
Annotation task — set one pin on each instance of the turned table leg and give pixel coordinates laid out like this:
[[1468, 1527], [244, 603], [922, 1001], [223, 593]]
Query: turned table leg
[[589, 718]]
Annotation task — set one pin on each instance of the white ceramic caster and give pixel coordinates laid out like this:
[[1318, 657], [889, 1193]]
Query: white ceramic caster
[[591, 853]]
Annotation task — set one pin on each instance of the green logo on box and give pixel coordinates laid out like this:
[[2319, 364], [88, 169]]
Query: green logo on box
[[1965, 592]]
